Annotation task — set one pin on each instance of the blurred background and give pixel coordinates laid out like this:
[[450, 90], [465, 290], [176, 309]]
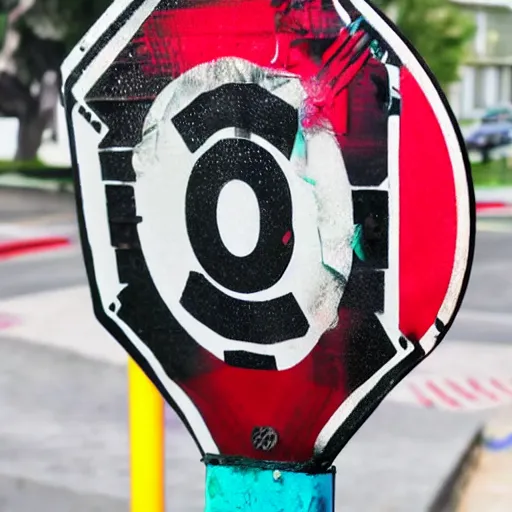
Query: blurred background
[[441, 441]]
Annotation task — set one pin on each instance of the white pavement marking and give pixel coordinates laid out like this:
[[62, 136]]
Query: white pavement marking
[[455, 393], [457, 376], [460, 376]]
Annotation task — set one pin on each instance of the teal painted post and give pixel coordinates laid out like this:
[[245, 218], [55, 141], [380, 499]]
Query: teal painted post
[[263, 489]]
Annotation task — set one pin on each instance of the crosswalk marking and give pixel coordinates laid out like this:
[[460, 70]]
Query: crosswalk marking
[[455, 394], [479, 388]]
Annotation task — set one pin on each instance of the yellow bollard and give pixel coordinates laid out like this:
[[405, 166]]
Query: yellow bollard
[[147, 442]]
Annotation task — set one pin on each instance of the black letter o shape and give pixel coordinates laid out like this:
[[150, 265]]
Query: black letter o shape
[[240, 159]]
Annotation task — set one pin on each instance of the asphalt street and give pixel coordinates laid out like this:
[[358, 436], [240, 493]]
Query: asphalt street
[[486, 314], [63, 434], [484, 318]]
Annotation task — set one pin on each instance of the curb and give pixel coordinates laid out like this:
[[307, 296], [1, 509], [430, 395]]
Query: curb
[[493, 209], [15, 248], [19, 181], [449, 495], [486, 205]]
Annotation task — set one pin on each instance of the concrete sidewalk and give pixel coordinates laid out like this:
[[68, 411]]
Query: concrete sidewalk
[[489, 488], [63, 390], [66, 439]]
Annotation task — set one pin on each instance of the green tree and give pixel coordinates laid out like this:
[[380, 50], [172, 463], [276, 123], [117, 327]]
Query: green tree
[[77, 16], [35, 36], [439, 29], [48, 29]]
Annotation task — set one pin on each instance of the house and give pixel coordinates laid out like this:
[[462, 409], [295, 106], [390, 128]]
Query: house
[[486, 76]]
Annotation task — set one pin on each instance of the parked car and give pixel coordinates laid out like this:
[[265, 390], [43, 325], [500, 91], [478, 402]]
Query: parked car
[[498, 114], [490, 135]]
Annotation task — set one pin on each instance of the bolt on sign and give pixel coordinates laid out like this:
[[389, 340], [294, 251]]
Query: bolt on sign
[[276, 212]]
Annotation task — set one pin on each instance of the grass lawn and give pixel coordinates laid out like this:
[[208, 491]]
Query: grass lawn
[[492, 174], [467, 122], [14, 165], [35, 169]]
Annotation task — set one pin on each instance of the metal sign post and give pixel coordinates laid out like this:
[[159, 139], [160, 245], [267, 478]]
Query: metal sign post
[[277, 220], [254, 487]]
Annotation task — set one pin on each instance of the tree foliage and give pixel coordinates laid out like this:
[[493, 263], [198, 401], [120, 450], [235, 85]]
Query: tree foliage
[[49, 29], [36, 39], [439, 29], [79, 16]]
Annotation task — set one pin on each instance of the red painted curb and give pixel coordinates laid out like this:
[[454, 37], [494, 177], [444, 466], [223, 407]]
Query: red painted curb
[[490, 206], [494, 209], [15, 248]]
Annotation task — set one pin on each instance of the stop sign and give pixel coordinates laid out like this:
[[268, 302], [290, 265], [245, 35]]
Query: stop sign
[[276, 212]]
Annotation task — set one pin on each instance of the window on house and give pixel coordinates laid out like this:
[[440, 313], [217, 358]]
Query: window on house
[[499, 35], [480, 39]]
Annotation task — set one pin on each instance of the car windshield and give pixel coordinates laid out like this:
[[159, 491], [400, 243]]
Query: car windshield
[[497, 114]]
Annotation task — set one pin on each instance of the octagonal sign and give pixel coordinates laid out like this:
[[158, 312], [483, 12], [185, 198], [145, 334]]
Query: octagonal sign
[[275, 209]]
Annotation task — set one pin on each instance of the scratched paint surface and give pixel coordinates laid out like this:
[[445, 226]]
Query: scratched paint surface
[[275, 343]]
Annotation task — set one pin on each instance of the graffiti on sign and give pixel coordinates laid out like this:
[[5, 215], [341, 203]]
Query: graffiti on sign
[[275, 209]]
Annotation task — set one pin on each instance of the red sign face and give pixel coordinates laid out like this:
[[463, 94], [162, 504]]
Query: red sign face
[[276, 211]]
